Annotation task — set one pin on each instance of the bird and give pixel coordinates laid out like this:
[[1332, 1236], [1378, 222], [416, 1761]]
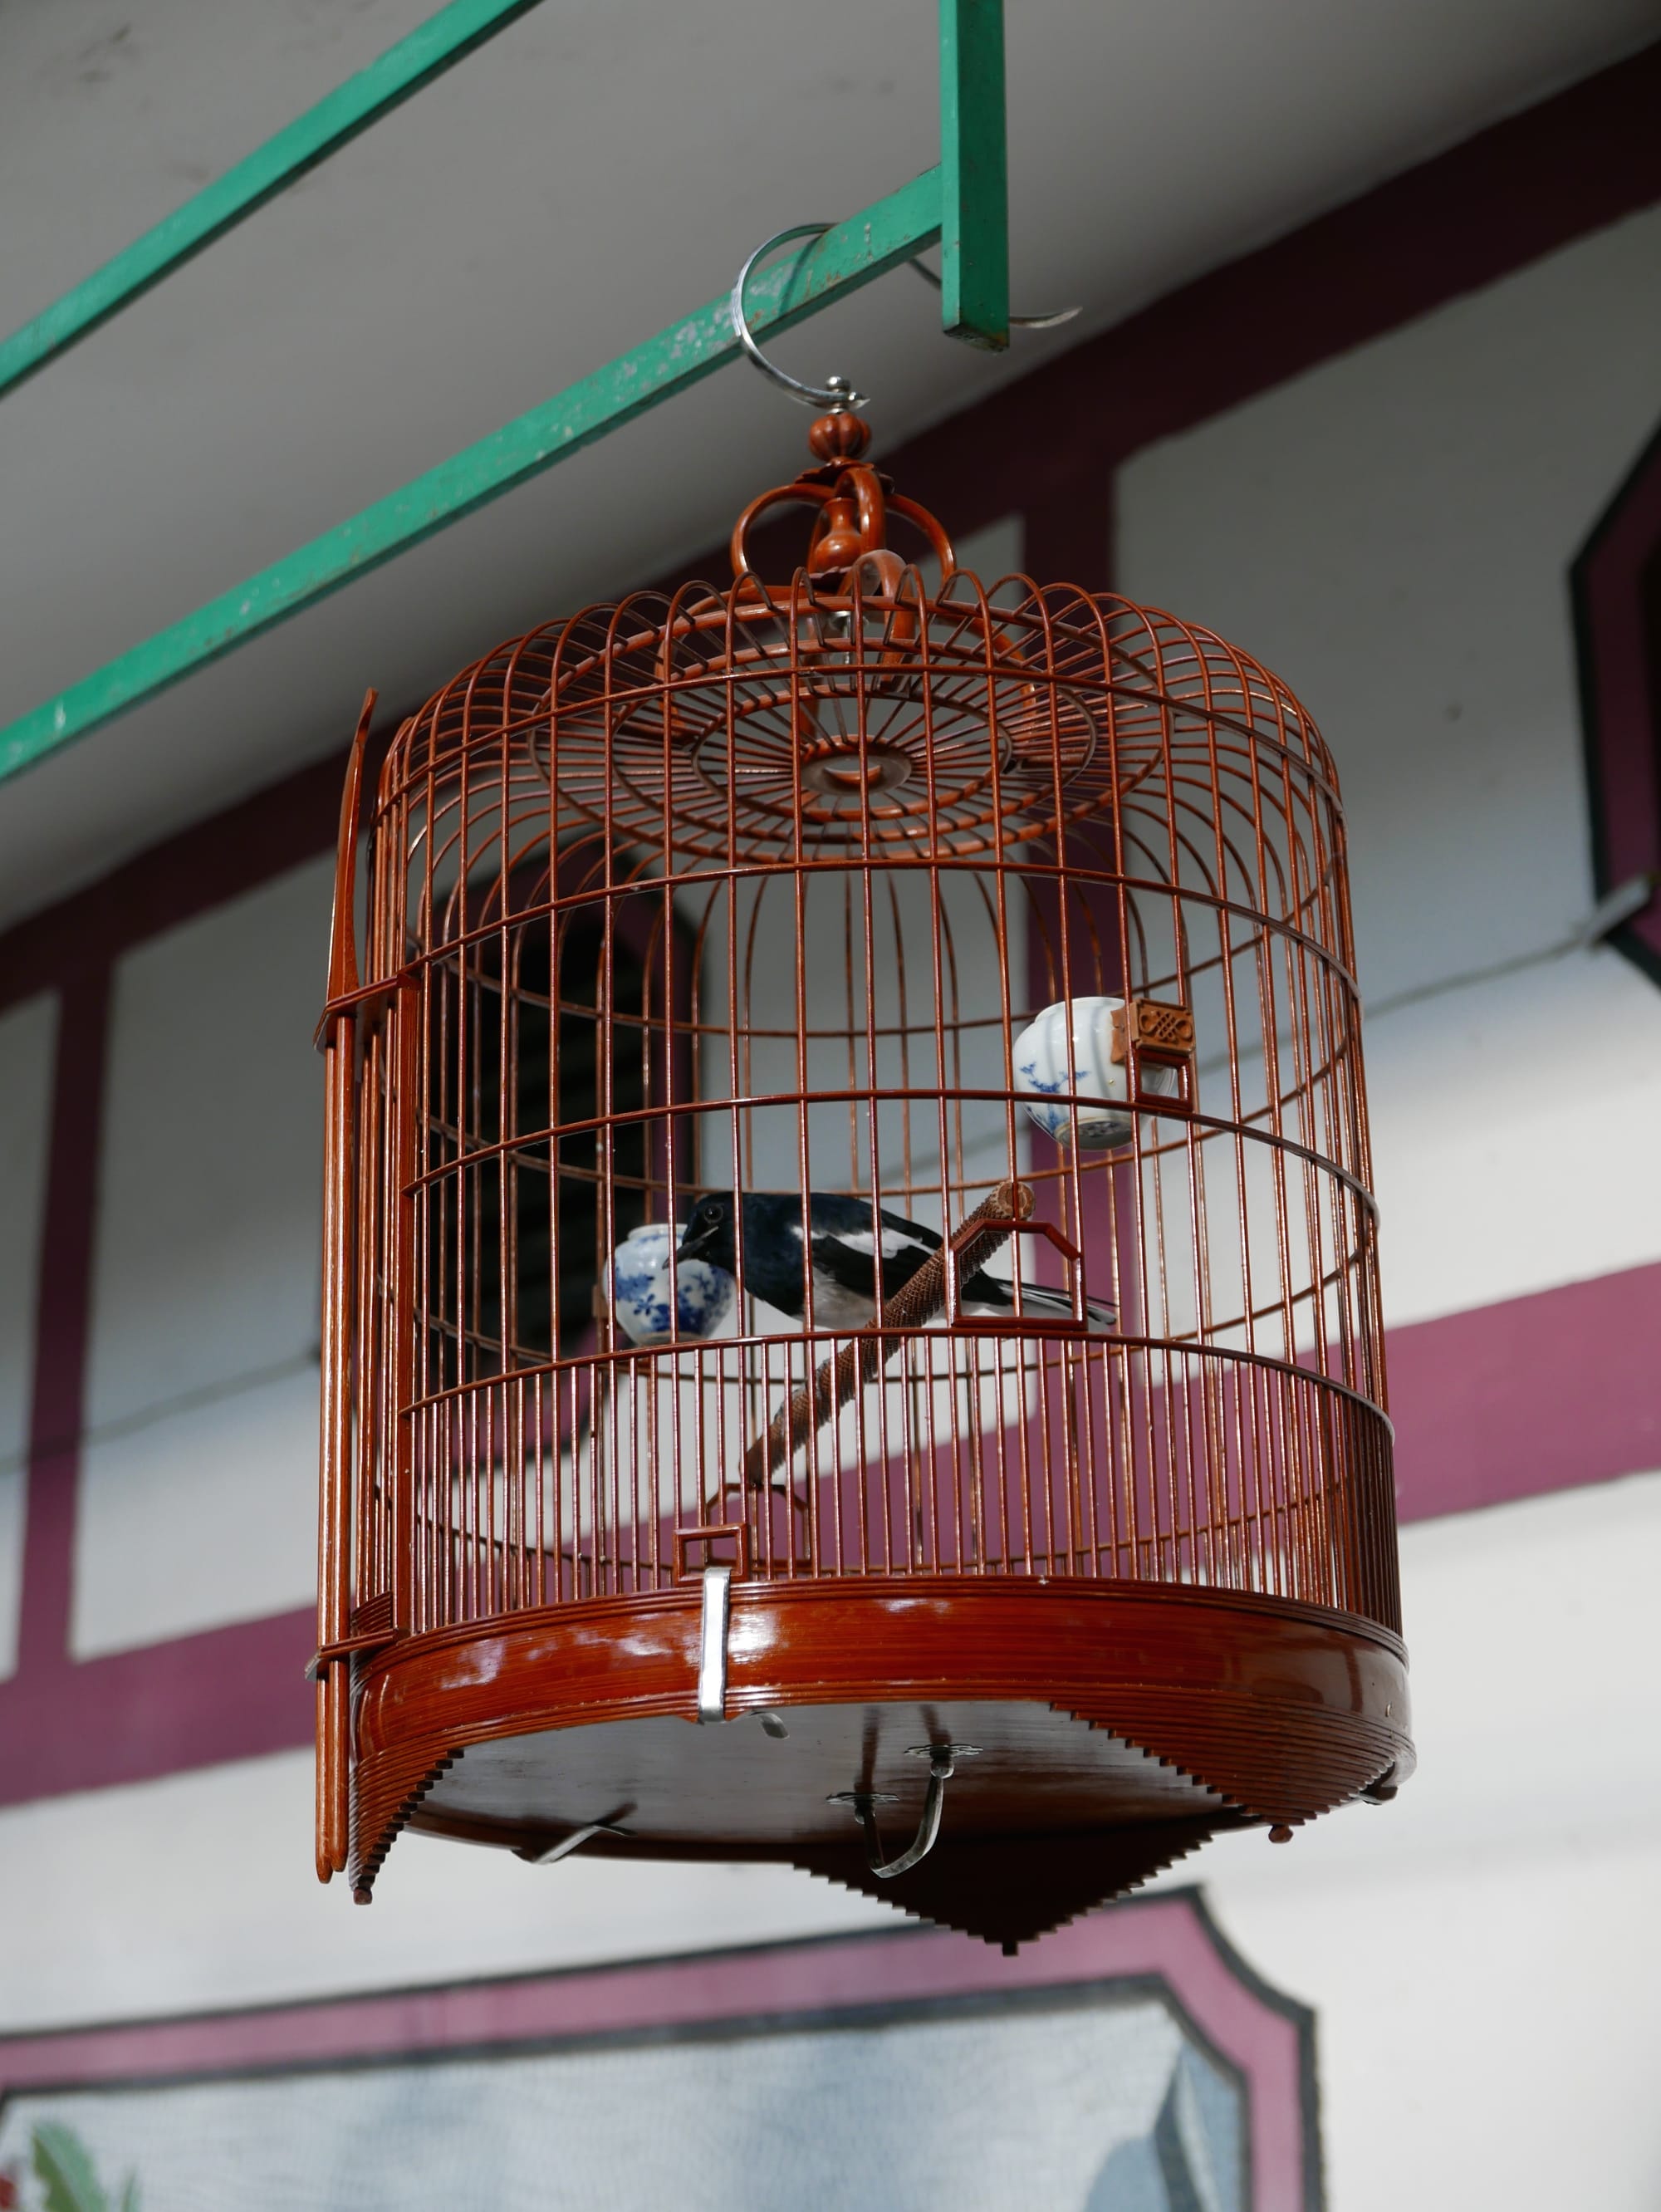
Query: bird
[[854, 1269]]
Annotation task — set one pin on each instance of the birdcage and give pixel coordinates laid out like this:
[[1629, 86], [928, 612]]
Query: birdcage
[[853, 1328]]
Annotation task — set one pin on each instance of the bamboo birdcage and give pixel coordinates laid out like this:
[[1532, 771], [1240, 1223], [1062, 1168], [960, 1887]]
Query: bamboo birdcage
[[756, 891]]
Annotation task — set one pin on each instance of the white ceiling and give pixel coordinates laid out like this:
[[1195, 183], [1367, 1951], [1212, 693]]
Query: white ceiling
[[598, 169]]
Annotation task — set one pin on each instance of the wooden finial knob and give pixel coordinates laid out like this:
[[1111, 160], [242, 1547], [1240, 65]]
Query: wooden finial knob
[[839, 437]]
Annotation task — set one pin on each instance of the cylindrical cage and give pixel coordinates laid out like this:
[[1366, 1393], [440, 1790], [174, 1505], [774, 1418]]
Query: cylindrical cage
[[778, 924]]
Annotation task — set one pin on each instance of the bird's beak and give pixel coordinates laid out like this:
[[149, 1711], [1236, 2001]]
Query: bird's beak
[[694, 1243]]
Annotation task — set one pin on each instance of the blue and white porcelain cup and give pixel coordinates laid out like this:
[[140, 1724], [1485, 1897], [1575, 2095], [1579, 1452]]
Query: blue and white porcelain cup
[[1067, 1053], [638, 1283]]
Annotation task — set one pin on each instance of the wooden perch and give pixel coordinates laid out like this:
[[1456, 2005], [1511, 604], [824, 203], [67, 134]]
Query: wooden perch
[[860, 1362]]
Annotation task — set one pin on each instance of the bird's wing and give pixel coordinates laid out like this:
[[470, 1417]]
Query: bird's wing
[[849, 1220], [847, 1249], [834, 1212], [906, 1233], [841, 1260]]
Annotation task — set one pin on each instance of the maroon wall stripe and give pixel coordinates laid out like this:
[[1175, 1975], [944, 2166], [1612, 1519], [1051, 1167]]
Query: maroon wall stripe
[[1473, 1428], [62, 1315], [1535, 1393], [193, 1701], [199, 867]]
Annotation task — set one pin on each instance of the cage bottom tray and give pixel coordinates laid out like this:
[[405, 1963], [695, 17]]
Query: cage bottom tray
[[1098, 1730]]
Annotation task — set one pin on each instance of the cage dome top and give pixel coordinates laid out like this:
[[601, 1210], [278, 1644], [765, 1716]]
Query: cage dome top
[[862, 703]]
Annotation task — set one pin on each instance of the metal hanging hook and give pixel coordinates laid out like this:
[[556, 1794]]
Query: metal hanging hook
[[1016, 322], [836, 395]]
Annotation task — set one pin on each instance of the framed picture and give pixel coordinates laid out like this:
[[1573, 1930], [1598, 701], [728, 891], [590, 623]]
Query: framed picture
[[1132, 2062]]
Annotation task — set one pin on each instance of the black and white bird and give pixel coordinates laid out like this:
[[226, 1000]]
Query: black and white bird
[[857, 1260]]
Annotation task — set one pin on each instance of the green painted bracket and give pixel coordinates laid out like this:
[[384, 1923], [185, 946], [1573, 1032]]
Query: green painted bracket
[[440, 43], [878, 239], [961, 206], [974, 189]]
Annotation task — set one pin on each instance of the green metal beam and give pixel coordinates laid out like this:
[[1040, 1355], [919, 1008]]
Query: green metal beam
[[888, 232], [974, 190], [962, 206], [402, 70]]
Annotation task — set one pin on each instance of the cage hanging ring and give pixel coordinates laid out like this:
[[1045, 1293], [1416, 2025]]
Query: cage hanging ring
[[836, 394]]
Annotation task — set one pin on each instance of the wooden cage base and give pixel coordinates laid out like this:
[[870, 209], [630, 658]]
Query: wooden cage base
[[1098, 1731]]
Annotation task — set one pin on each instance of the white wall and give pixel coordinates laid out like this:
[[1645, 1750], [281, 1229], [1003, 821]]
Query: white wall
[[198, 1479], [212, 1899], [27, 1037], [1485, 1954], [1391, 533]]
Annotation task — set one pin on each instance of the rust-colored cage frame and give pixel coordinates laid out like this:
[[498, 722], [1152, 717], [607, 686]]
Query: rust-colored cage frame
[[757, 889]]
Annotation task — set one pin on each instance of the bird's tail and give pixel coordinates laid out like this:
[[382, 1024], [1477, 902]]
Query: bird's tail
[[1042, 1305]]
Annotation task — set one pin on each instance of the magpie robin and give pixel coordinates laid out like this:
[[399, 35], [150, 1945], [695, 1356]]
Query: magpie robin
[[851, 1276]]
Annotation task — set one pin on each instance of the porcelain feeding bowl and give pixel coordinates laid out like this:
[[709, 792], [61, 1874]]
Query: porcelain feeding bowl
[[639, 1286], [1071, 1055]]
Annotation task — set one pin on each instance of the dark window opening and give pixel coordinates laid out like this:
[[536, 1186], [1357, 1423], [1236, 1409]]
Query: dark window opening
[[515, 1239], [1617, 589]]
